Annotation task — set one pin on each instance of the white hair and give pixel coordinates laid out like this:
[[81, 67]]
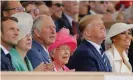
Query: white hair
[[37, 24]]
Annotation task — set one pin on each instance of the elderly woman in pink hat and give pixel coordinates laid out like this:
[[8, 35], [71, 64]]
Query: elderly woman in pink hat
[[120, 35], [62, 49]]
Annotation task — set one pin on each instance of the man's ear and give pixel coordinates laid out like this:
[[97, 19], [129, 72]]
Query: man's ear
[[87, 33], [36, 32]]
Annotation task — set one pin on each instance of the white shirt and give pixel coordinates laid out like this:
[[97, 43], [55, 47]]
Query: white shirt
[[70, 19], [4, 49], [92, 12], [96, 46]]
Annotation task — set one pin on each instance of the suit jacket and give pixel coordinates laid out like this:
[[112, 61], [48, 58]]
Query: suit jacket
[[117, 62], [6, 64], [37, 55], [87, 58], [64, 22]]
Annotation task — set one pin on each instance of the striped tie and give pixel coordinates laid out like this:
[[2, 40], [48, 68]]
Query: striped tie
[[106, 61]]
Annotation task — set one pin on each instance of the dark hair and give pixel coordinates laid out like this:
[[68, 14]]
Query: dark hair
[[4, 7], [3, 19], [48, 3]]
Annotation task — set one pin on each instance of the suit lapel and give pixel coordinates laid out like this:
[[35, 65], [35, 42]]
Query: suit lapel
[[96, 53], [67, 23], [42, 51]]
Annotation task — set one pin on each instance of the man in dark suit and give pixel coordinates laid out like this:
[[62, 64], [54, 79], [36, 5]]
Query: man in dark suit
[[89, 56], [9, 35], [44, 34]]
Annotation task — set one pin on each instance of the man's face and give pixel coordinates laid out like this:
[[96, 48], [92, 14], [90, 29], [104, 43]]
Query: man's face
[[10, 32], [32, 10], [71, 7], [14, 7], [97, 31], [56, 9], [101, 7], [44, 10], [48, 32]]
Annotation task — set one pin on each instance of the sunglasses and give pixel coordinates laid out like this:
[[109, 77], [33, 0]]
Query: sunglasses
[[58, 5], [35, 11], [102, 2], [18, 9]]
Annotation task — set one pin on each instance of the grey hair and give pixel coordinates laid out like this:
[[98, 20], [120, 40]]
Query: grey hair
[[37, 24]]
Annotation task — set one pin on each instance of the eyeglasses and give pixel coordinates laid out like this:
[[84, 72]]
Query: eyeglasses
[[18, 9], [35, 11], [58, 5]]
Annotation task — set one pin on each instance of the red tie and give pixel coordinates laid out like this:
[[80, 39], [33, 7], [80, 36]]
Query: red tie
[[74, 27]]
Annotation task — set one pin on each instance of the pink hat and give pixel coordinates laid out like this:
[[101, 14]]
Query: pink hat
[[63, 37]]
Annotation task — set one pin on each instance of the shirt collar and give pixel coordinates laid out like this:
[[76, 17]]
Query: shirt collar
[[96, 46], [70, 19], [5, 50]]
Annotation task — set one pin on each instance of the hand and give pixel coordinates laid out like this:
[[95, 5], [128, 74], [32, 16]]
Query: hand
[[40, 67], [48, 67]]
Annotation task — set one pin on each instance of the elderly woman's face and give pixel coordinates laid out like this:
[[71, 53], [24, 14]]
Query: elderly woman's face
[[61, 54], [25, 43], [123, 39]]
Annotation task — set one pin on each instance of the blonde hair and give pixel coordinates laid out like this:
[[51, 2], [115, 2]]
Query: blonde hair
[[87, 20]]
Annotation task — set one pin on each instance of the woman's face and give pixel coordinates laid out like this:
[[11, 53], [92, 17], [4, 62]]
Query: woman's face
[[61, 54], [123, 39], [25, 43]]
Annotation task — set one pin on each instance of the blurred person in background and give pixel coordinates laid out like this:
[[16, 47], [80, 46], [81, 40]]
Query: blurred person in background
[[62, 49], [68, 16], [9, 36], [31, 8], [100, 7], [18, 53], [83, 8], [43, 9], [44, 34], [56, 9], [9, 8], [120, 35]]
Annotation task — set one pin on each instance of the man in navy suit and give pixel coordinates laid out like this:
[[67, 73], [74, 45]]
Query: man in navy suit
[[44, 34], [9, 35], [88, 56]]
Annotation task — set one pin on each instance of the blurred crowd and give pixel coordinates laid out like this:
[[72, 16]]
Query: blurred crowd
[[59, 35]]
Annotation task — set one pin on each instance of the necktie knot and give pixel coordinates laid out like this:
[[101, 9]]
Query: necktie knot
[[101, 50]]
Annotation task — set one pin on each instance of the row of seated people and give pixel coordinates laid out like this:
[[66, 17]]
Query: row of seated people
[[40, 56]]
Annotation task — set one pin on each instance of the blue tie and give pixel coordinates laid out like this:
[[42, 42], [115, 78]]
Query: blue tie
[[106, 61]]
